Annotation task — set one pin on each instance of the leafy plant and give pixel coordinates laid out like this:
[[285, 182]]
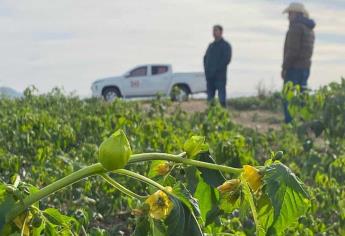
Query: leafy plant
[[44, 138], [173, 211]]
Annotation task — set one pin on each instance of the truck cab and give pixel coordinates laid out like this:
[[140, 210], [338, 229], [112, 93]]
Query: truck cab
[[147, 81]]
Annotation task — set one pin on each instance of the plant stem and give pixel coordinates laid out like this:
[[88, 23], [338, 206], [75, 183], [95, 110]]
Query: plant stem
[[121, 188], [140, 178], [144, 179], [178, 158], [24, 225], [20, 207], [53, 187], [250, 198]]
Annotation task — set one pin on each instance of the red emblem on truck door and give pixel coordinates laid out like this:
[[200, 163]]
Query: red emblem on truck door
[[135, 84]]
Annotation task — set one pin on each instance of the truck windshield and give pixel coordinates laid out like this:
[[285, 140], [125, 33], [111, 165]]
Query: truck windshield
[[140, 71]]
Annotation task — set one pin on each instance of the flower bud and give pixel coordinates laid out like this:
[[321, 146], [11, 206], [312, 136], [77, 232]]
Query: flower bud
[[163, 168], [115, 151], [229, 186]]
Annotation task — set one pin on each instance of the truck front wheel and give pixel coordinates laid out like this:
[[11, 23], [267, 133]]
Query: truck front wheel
[[111, 93], [180, 93]]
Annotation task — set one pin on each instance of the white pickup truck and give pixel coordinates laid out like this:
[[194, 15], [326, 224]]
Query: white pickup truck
[[150, 80]]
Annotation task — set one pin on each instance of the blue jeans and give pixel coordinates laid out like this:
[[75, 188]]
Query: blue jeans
[[212, 87], [297, 77]]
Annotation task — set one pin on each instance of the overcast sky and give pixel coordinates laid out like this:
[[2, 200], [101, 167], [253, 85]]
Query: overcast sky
[[70, 43]]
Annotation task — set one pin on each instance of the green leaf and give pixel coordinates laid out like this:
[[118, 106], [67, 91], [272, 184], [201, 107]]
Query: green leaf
[[6, 203], [182, 221], [194, 146], [142, 227], [158, 228], [56, 218], [213, 216], [38, 231], [230, 201], [58, 223], [191, 178], [288, 197], [207, 198], [265, 212], [182, 193], [203, 182], [50, 229], [176, 220], [214, 178]]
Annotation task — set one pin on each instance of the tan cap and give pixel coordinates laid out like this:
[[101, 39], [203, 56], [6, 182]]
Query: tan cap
[[296, 7]]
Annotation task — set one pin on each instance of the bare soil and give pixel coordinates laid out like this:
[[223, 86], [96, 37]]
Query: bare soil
[[260, 120]]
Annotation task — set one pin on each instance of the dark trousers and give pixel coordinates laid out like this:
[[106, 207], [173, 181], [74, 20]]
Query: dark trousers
[[297, 77], [212, 87]]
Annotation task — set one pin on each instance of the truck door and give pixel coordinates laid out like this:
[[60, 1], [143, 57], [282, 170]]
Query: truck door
[[135, 83], [159, 79]]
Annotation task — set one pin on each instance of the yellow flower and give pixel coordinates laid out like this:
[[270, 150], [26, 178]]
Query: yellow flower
[[252, 176], [160, 204], [163, 168], [229, 186]]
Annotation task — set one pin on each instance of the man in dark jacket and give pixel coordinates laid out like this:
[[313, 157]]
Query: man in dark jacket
[[216, 61], [298, 49]]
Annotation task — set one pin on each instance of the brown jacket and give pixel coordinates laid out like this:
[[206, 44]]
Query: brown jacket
[[299, 44]]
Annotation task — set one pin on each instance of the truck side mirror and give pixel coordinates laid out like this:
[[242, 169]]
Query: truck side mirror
[[127, 75]]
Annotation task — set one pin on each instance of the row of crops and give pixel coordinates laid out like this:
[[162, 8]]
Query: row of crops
[[166, 171]]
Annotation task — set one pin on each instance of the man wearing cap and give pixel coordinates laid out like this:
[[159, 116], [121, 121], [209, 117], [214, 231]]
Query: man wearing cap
[[216, 61], [298, 49]]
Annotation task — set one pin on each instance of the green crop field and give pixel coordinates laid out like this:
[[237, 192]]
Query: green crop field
[[162, 170]]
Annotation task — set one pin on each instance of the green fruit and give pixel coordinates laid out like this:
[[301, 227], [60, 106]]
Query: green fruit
[[115, 151]]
